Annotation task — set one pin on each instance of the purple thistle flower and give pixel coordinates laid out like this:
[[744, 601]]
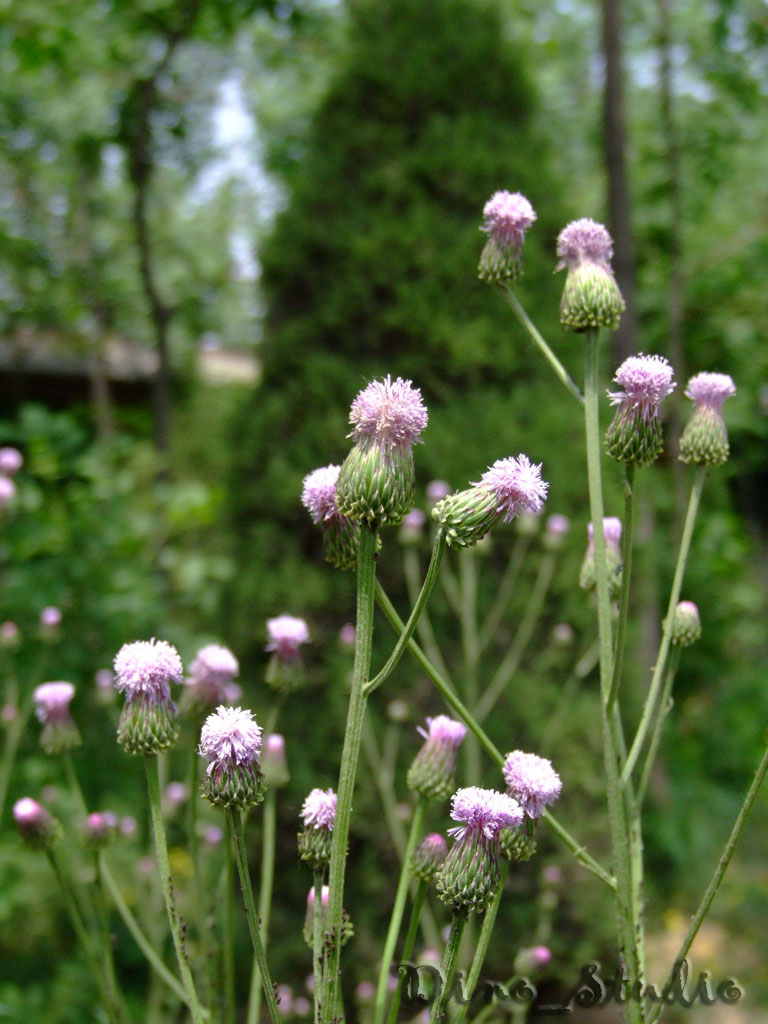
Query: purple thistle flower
[[213, 835], [591, 297], [428, 856], [390, 412], [483, 810], [11, 461], [517, 485], [646, 380], [212, 674], [318, 494], [584, 241], [558, 525], [433, 771], [508, 215], [710, 390], [99, 828], [532, 781], [686, 624], [319, 809], [437, 490], [50, 617], [230, 738], [175, 794], [146, 668], [52, 701], [273, 761], [286, 635], [38, 828], [611, 531]]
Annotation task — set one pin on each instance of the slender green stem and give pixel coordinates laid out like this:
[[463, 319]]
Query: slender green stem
[[81, 931], [504, 592], [616, 808], [489, 922], [384, 785], [408, 944], [666, 633], [228, 943], [412, 572], [166, 885], [317, 941], [74, 785], [241, 858], [15, 731], [450, 959], [626, 575], [102, 910], [449, 696], [562, 374], [562, 713], [717, 877], [471, 655], [430, 579], [152, 956], [511, 660], [398, 908], [266, 885], [366, 576], [662, 711]]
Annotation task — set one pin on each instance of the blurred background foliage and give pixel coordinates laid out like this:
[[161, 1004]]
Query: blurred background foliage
[[267, 204]]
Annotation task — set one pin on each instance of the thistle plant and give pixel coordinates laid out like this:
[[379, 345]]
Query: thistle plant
[[493, 832]]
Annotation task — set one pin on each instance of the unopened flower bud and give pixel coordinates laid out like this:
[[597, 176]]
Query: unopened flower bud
[[286, 634], [273, 762], [532, 958], [433, 771], [377, 479], [705, 438], [686, 624], [38, 828], [231, 741], [591, 297], [428, 856], [99, 829], [347, 929], [508, 215], [612, 533]]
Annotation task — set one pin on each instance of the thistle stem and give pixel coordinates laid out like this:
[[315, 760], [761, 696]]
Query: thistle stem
[[661, 713], [228, 952], [81, 931], [449, 696], [166, 884], [489, 922], [408, 944], [151, 955], [433, 571], [717, 877], [398, 908], [562, 374], [366, 576], [626, 573], [241, 858], [504, 592], [266, 885], [106, 941], [450, 959], [616, 808], [471, 654], [424, 629], [666, 633], [317, 940]]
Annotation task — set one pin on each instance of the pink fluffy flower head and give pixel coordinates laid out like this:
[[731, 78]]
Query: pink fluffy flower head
[[146, 668], [584, 241], [318, 494], [11, 461], [286, 635], [532, 781], [710, 389], [443, 730], [432, 773], [517, 484], [37, 827], [212, 674], [611, 531], [230, 738], [319, 809], [508, 215], [646, 381], [390, 412], [52, 701], [483, 810], [50, 617]]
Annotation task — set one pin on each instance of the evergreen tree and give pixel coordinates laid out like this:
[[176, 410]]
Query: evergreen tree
[[372, 269]]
